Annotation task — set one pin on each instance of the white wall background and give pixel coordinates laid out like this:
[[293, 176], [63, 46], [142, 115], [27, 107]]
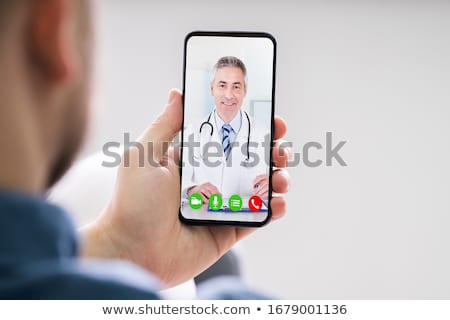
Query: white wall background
[[377, 75]]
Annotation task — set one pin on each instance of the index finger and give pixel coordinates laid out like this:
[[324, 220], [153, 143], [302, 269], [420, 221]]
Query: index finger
[[280, 128]]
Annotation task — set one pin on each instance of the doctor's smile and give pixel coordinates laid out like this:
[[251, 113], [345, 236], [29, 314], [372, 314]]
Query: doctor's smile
[[229, 104]]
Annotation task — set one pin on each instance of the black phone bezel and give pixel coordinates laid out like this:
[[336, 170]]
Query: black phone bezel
[[248, 34]]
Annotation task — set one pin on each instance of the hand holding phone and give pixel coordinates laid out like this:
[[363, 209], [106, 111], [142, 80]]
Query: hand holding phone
[[141, 223]]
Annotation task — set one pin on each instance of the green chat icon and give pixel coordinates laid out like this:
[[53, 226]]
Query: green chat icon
[[235, 202]]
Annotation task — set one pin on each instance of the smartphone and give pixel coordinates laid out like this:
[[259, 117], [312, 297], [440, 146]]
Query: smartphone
[[228, 124]]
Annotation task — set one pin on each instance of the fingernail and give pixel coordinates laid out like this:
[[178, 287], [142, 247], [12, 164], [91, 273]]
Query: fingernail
[[172, 94]]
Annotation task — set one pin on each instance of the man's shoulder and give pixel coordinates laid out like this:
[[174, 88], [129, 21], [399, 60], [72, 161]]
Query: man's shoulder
[[78, 279]]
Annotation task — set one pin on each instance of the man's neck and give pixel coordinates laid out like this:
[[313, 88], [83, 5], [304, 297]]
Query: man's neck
[[23, 164], [20, 168]]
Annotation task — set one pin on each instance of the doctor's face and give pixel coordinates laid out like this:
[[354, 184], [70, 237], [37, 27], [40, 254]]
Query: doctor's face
[[228, 89]]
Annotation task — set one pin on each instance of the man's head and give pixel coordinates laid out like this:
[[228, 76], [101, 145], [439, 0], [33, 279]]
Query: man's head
[[45, 58], [229, 86]]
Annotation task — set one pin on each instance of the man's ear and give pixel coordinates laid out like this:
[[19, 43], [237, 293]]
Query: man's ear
[[51, 39]]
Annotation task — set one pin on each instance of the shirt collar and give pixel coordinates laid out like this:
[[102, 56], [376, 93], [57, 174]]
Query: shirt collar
[[33, 229], [235, 123]]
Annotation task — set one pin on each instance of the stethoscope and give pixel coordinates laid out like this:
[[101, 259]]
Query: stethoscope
[[208, 123]]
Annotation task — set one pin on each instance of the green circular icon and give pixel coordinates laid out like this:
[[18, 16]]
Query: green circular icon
[[195, 201], [235, 202], [215, 202]]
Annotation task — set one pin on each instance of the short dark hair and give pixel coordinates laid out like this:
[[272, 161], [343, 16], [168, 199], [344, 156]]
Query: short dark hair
[[230, 61]]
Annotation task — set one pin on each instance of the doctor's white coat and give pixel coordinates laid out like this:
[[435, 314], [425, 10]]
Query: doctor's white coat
[[205, 161]]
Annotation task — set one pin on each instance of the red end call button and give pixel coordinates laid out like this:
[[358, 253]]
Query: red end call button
[[255, 203]]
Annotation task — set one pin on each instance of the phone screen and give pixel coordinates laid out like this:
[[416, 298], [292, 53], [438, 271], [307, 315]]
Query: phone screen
[[227, 128]]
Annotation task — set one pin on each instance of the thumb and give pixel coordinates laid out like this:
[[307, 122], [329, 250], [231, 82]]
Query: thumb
[[157, 138]]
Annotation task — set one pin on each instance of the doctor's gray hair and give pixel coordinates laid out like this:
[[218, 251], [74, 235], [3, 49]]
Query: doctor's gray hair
[[229, 61]]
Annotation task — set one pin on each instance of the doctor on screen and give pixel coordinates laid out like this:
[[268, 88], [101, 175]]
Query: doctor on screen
[[231, 151]]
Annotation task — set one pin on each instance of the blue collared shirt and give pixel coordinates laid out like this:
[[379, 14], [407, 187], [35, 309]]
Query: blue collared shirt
[[39, 258]]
